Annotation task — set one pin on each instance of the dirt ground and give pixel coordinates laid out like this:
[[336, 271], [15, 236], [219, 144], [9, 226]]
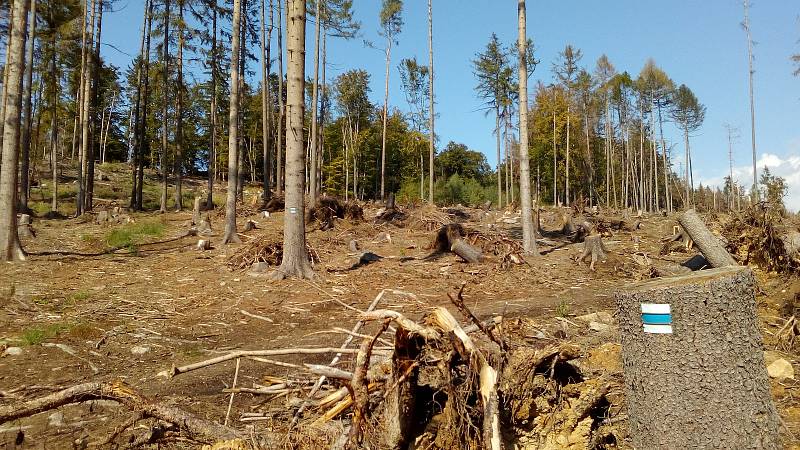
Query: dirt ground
[[136, 312]]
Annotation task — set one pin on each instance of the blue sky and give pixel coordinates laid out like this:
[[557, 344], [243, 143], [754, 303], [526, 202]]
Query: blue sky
[[697, 42]]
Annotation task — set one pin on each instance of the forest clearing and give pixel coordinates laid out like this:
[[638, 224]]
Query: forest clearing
[[198, 253]]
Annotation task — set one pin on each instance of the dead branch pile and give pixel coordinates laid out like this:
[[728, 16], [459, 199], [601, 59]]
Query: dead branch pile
[[508, 250], [263, 250], [428, 218], [757, 236], [328, 209]]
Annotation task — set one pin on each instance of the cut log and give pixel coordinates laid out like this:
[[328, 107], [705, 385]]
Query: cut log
[[693, 363], [467, 252], [709, 244], [593, 247]]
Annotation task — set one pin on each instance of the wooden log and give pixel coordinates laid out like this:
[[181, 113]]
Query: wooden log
[[467, 252], [693, 363], [711, 247]]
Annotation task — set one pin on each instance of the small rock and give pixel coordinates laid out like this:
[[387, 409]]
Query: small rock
[[139, 350], [599, 327], [12, 351], [781, 370], [601, 317], [56, 419]]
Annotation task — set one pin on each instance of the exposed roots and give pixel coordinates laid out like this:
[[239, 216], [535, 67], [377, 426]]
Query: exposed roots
[[263, 250]]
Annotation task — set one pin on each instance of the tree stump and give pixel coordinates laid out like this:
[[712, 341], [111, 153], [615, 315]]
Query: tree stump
[[24, 227], [196, 210], [593, 246], [712, 249], [204, 227], [693, 363]]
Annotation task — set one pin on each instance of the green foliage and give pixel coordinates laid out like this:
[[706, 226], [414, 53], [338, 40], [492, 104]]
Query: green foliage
[[562, 310], [37, 335], [687, 111], [455, 190], [132, 234], [458, 159], [773, 189]]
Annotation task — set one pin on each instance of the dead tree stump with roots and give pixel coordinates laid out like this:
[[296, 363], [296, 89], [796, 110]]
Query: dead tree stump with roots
[[693, 363], [593, 247]]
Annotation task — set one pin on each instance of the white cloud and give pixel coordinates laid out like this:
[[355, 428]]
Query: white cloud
[[788, 168]]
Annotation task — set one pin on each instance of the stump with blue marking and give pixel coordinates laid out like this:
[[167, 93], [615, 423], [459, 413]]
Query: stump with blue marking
[[693, 361]]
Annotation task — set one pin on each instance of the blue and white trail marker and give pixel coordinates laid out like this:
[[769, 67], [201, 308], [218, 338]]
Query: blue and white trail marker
[[657, 318]]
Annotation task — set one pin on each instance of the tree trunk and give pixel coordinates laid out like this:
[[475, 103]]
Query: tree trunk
[[137, 156], [497, 139], [179, 115], [88, 32], [281, 106], [295, 255], [266, 103], [230, 235], [10, 248], [145, 141], [528, 232], [4, 99], [694, 363], [165, 108], [54, 119], [24, 182], [709, 244], [212, 157], [94, 144], [431, 100], [385, 115], [312, 178]]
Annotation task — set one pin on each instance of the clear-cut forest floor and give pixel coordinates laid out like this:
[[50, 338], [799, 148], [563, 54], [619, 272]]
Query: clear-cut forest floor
[[133, 313]]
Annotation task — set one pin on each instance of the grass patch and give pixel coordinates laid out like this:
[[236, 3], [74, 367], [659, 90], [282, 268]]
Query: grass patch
[[36, 335], [131, 235], [80, 296], [84, 331], [562, 310]]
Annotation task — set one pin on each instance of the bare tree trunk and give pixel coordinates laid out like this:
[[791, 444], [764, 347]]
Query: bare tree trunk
[[24, 182], [567, 198], [54, 120], [754, 194], [165, 108], [667, 193], [138, 156], [179, 115], [94, 144], [295, 255], [233, 131], [432, 114], [385, 115], [266, 99], [528, 232], [145, 141], [555, 163], [499, 177], [212, 157], [281, 106], [322, 112], [10, 248], [4, 99], [314, 102], [83, 102]]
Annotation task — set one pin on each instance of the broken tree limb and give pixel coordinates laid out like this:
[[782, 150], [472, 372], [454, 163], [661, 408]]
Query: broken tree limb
[[458, 301], [488, 376], [709, 245], [336, 358], [247, 353], [360, 389], [409, 325], [198, 429]]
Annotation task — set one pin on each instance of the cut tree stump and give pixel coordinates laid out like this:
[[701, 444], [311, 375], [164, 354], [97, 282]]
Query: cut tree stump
[[708, 244], [196, 210], [693, 363], [24, 227], [593, 247], [204, 227]]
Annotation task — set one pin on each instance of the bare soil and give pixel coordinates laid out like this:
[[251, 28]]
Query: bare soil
[[133, 313]]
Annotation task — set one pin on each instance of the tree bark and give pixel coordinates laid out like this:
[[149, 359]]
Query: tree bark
[[212, 157], [528, 232], [385, 115], [695, 372], [295, 255], [10, 248], [54, 91], [230, 235], [24, 182], [145, 141], [94, 144]]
